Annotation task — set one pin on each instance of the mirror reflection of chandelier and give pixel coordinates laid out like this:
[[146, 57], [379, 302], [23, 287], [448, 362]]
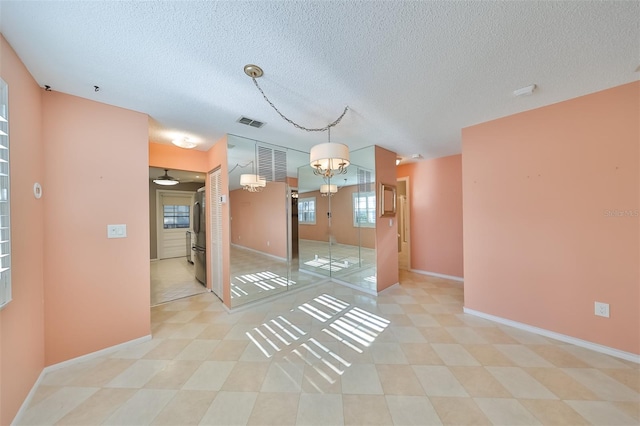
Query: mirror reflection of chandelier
[[327, 190], [252, 182], [326, 159]]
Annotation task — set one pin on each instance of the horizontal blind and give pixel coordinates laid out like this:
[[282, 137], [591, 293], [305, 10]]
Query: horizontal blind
[[5, 222]]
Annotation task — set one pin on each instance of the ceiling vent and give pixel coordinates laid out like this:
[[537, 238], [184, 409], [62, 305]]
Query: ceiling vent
[[250, 122]]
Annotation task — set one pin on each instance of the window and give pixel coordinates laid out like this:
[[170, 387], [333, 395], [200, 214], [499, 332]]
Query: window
[[5, 225], [307, 210], [364, 209], [176, 217]]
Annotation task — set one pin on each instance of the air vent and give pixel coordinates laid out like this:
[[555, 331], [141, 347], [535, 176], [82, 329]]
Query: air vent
[[250, 122], [272, 164]]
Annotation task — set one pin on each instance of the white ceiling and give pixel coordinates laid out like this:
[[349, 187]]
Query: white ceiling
[[412, 73]]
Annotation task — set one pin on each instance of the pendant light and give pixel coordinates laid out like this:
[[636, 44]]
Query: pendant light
[[327, 159], [166, 180], [253, 182], [327, 190]]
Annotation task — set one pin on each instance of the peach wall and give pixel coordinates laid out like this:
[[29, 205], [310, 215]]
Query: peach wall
[[386, 227], [435, 209], [342, 228], [96, 289], [259, 219], [173, 157], [22, 320], [539, 247]]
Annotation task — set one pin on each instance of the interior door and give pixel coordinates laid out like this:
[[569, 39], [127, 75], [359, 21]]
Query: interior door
[[174, 220], [215, 246]]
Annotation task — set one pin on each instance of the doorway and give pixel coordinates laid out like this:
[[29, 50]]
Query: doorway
[[404, 224], [171, 224]]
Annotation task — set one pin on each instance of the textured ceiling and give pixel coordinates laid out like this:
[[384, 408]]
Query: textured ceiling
[[412, 73]]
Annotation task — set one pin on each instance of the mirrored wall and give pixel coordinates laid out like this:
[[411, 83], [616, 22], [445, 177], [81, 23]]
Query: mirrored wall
[[290, 228], [337, 219]]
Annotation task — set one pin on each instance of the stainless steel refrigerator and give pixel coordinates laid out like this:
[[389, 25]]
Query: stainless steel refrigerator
[[200, 241]]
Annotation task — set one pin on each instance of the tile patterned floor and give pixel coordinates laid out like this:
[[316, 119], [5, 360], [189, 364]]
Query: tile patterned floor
[[330, 355], [173, 279]]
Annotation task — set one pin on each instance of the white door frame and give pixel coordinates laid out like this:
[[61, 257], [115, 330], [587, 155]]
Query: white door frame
[[407, 219], [214, 245], [160, 216]]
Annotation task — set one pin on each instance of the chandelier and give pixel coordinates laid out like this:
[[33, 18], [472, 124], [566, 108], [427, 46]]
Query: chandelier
[[326, 159], [252, 182], [327, 190]]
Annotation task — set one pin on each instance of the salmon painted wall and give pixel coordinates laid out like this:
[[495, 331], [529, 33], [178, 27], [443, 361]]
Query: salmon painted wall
[[386, 227], [435, 211], [96, 173], [22, 320], [342, 228], [259, 219], [551, 199], [173, 157], [217, 158]]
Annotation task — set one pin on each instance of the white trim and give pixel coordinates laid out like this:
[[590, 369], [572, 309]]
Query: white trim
[[73, 361], [406, 179], [272, 297], [434, 274], [355, 286], [160, 216], [396, 285], [557, 336], [273, 256]]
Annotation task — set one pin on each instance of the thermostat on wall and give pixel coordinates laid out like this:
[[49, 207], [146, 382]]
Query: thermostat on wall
[[37, 190]]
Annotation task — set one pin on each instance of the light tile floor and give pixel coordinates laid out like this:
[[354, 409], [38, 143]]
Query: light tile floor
[[173, 279], [330, 355]]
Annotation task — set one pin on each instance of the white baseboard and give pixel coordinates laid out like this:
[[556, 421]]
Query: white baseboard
[[434, 274], [557, 336], [273, 256], [83, 358], [354, 286], [382, 293]]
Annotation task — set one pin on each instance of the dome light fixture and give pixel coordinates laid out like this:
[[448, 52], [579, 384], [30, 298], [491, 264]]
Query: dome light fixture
[[166, 180], [185, 143]]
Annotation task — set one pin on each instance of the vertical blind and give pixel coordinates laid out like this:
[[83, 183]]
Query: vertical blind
[[5, 223]]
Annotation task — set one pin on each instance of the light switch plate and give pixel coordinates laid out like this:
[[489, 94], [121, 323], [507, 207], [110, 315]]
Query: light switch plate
[[116, 231]]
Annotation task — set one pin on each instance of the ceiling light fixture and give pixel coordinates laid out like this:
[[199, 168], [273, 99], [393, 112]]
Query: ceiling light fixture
[[252, 182], [398, 160], [327, 159], [185, 143], [166, 180], [327, 190], [525, 91]]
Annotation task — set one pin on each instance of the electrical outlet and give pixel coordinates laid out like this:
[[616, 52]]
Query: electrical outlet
[[602, 309]]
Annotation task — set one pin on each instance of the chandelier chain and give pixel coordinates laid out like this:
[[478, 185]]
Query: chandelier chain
[[296, 125]]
